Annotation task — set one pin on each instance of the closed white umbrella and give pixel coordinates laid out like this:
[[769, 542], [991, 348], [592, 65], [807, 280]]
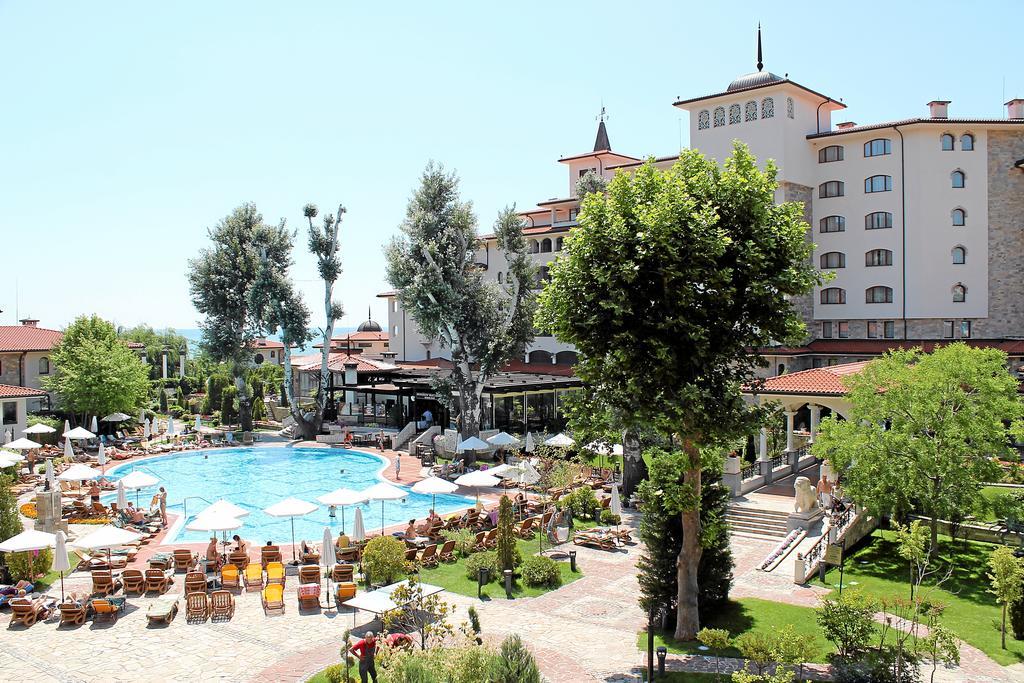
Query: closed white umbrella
[[51, 481], [358, 530], [291, 508], [328, 558], [94, 426], [434, 486], [522, 473], [67, 427], [199, 423], [101, 458], [382, 492], [28, 540], [142, 415], [8, 435], [79, 433], [146, 430], [472, 444], [23, 444], [476, 480], [342, 498], [615, 505], [559, 441], [117, 417], [69, 451], [122, 499], [39, 428], [170, 426], [530, 445], [61, 562], [79, 472], [503, 439]]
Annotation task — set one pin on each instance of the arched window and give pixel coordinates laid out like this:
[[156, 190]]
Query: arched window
[[959, 256], [719, 116], [44, 366], [832, 224], [703, 120], [878, 295], [878, 257], [833, 188], [877, 147], [500, 277], [833, 295], [833, 259], [946, 141], [750, 111], [789, 107], [959, 293], [878, 220], [878, 183], [958, 179], [566, 358], [534, 246], [559, 243], [959, 216], [539, 357], [734, 114], [767, 108], [966, 142], [545, 245], [829, 154]]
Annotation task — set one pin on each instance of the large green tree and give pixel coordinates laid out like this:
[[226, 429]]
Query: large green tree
[[221, 278], [670, 279], [924, 430], [96, 373], [433, 267]]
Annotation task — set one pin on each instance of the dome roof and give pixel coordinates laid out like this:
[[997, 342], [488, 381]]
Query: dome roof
[[753, 79], [369, 326]]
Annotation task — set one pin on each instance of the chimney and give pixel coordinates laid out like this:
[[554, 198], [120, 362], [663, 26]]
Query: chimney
[[29, 322], [845, 124], [938, 109], [1015, 108]]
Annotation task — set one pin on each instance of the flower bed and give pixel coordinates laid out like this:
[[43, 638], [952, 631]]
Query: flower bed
[[29, 510], [778, 554]]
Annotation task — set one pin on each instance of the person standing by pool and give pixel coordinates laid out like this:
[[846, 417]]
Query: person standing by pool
[[398, 466], [366, 650], [163, 505], [94, 491]]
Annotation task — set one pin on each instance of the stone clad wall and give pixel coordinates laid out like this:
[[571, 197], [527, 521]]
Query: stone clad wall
[[804, 305], [1005, 238]]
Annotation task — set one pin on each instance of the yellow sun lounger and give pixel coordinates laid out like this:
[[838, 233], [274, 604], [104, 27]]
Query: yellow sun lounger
[[273, 598], [275, 573]]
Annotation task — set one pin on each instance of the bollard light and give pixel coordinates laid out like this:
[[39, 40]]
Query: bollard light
[[662, 654], [481, 581], [572, 560], [508, 583]]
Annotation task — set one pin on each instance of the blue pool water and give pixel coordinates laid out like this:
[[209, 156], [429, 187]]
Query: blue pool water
[[256, 478]]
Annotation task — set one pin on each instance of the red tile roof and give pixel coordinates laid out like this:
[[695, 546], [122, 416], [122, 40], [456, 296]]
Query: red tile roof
[[817, 382], [268, 344], [25, 338], [11, 391], [336, 362]]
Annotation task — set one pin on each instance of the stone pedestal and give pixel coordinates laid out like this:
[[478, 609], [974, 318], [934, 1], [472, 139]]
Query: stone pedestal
[[48, 512], [731, 475], [804, 520]]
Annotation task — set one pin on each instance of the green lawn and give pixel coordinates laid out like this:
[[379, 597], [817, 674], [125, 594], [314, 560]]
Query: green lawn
[[452, 575], [971, 611], [749, 615], [53, 578], [990, 493]]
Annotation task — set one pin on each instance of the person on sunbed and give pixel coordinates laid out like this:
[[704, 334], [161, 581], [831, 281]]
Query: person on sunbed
[[21, 586], [410, 531], [306, 549], [342, 542], [212, 556], [240, 545]]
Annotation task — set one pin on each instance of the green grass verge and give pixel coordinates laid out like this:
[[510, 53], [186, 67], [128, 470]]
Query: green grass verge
[[971, 611], [452, 575], [750, 615], [990, 493], [53, 578]]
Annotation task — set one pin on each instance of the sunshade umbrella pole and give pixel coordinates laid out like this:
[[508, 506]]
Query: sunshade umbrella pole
[[295, 559], [381, 516]]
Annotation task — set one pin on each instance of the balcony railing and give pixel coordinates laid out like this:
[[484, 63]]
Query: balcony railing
[[748, 472]]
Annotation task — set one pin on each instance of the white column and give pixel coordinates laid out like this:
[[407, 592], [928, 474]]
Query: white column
[[815, 420], [181, 365], [163, 357], [790, 415], [762, 447]]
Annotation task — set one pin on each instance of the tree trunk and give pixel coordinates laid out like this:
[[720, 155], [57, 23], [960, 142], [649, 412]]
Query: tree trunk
[[244, 402], [687, 616], [935, 518], [634, 469], [469, 409], [307, 429], [1003, 629]]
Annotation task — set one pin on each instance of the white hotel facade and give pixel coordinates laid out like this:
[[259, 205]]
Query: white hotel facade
[[920, 221]]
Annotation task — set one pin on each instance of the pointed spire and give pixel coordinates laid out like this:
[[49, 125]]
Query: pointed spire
[[601, 143], [760, 63], [369, 313]]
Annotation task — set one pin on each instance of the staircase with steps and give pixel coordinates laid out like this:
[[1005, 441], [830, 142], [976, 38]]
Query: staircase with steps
[[756, 522]]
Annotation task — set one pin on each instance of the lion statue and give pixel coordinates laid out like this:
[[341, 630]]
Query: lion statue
[[805, 496]]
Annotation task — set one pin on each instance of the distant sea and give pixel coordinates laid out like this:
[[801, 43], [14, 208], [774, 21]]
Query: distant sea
[[195, 336]]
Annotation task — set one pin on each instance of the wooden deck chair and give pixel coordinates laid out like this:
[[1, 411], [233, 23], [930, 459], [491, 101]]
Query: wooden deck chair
[[253, 577], [491, 539], [134, 581], [158, 580], [410, 554], [525, 529], [72, 614], [478, 542], [197, 607], [341, 573], [195, 582], [273, 598], [184, 560], [309, 586], [429, 556], [26, 611], [447, 552], [107, 609], [268, 554], [229, 577], [222, 604], [275, 573], [239, 558], [103, 582], [344, 591]]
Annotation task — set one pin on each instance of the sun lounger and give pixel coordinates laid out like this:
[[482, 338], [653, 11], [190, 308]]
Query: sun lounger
[[21, 585], [134, 581], [253, 577], [184, 559], [343, 572], [410, 554], [344, 591], [222, 604], [195, 582], [275, 573], [239, 558], [526, 527], [158, 580], [72, 613], [429, 556], [107, 609], [27, 611], [309, 586], [229, 577], [273, 598], [479, 541], [197, 607], [103, 582], [163, 609], [447, 552], [268, 554], [597, 538]]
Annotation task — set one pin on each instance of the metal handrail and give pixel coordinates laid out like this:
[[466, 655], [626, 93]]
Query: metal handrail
[[184, 504]]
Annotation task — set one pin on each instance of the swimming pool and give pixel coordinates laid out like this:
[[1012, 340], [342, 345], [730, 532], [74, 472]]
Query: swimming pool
[[255, 478]]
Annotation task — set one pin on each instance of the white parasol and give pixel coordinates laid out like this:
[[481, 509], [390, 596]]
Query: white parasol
[[69, 451], [434, 486], [23, 444], [79, 433], [94, 425], [51, 480], [39, 428], [116, 417], [477, 480], [28, 540], [503, 439], [79, 472], [328, 558], [146, 430], [136, 480], [472, 444], [225, 507], [530, 446], [559, 441], [382, 492], [122, 499], [342, 498], [101, 458], [291, 508]]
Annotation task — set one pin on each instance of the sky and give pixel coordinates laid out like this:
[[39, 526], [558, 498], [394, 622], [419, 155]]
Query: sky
[[128, 129]]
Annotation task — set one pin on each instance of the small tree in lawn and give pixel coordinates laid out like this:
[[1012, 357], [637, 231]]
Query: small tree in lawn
[[924, 430], [516, 664], [716, 640], [427, 615], [1006, 571], [668, 282], [847, 621], [506, 539], [940, 646], [433, 266]]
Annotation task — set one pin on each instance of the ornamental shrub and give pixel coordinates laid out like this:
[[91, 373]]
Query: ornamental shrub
[[29, 565], [608, 518], [582, 502], [540, 571], [336, 673], [384, 558], [477, 561], [516, 664], [506, 538]]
